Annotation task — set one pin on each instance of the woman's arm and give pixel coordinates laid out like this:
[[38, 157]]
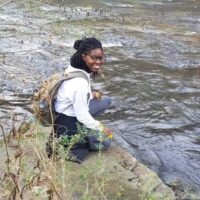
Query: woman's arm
[[80, 104]]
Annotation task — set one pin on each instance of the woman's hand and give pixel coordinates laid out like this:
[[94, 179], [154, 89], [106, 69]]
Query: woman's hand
[[107, 132], [96, 95]]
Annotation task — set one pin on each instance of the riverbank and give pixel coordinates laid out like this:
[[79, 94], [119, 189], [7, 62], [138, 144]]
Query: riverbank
[[27, 173]]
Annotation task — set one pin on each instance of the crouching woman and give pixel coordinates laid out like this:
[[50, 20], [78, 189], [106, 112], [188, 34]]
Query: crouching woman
[[76, 104]]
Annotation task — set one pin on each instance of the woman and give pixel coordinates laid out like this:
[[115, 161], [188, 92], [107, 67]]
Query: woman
[[77, 104]]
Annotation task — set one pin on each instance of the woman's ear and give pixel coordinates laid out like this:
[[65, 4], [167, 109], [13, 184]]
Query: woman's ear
[[83, 56]]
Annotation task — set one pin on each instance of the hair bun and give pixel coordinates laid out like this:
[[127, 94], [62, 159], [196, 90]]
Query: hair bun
[[77, 44]]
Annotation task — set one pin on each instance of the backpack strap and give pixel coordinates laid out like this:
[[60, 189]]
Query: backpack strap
[[74, 74], [67, 76]]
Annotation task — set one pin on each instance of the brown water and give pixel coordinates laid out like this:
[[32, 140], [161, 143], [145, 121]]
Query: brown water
[[152, 70]]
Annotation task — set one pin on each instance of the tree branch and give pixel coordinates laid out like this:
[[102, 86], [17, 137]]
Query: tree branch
[[6, 3]]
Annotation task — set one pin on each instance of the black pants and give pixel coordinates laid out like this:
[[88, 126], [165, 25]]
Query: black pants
[[66, 125]]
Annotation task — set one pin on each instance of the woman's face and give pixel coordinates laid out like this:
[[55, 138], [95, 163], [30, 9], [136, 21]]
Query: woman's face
[[93, 59]]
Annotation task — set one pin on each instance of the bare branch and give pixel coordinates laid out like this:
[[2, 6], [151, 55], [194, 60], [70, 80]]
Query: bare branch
[[8, 157], [6, 3]]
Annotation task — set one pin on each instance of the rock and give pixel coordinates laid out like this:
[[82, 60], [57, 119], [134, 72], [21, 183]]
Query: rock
[[137, 181]]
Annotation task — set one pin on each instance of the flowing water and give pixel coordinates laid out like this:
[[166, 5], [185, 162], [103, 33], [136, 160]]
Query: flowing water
[[152, 71]]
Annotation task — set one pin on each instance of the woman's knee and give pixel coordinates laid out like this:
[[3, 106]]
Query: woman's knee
[[97, 107], [106, 144], [107, 101]]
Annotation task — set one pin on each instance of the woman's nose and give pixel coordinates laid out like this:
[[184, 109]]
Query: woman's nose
[[98, 61]]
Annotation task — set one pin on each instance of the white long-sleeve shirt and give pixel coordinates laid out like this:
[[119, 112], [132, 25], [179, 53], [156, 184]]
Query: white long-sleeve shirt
[[73, 99]]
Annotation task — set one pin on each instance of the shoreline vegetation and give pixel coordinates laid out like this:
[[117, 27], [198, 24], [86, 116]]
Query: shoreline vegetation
[[26, 172]]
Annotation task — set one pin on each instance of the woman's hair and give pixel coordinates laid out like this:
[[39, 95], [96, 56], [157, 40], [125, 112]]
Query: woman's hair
[[83, 46]]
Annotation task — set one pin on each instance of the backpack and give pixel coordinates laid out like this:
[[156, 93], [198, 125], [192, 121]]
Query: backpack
[[43, 99]]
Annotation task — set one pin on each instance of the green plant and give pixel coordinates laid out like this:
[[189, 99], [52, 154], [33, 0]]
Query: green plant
[[28, 172]]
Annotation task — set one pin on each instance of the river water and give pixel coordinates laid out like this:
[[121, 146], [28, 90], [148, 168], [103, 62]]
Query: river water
[[152, 72]]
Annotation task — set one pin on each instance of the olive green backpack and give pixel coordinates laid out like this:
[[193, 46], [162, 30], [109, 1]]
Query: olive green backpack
[[43, 99]]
